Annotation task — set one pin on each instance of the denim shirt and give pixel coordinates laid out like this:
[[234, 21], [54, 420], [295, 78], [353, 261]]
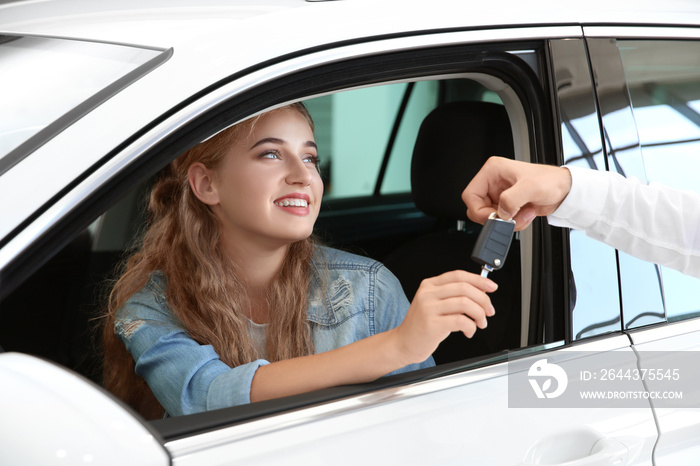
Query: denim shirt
[[361, 297]]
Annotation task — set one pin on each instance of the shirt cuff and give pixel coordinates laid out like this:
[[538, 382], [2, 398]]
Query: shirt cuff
[[584, 203], [232, 388]]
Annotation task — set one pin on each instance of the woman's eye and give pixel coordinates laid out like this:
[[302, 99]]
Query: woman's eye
[[270, 155], [313, 159]]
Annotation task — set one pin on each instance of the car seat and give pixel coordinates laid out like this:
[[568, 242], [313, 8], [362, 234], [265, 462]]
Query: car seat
[[453, 142]]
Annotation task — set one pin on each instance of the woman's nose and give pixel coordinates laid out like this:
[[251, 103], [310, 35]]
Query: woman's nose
[[299, 173]]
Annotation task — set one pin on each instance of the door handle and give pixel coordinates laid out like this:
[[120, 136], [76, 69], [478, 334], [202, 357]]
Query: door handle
[[603, 452]]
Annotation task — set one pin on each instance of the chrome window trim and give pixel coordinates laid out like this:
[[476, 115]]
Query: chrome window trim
[[645, 32], [83, 190]]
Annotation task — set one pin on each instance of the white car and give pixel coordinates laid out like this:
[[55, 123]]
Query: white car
[[97, 97]]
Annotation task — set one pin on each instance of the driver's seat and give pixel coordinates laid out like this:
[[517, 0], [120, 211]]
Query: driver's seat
[[453, 143]]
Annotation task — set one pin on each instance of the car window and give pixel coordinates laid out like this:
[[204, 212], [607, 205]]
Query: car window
[[78, 71], [354, 149], [78, 277], [663, 77]]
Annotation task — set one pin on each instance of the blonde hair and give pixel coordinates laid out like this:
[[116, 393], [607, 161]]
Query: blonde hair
[[204, 290]]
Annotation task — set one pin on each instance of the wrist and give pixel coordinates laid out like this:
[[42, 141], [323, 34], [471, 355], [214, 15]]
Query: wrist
[[397, 354], [403, 351], [564, 183]]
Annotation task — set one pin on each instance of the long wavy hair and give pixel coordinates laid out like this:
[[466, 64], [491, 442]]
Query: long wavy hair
[[205, 291]]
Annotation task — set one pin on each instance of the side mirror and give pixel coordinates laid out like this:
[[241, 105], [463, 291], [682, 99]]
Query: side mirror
[[53, 416]]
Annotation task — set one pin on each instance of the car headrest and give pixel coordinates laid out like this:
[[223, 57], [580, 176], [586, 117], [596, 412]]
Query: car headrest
[[453, 143]]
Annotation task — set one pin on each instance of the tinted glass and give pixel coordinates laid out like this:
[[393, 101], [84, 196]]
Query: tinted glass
[[664, 86], [55, 76], [596, 306], [640, 285]]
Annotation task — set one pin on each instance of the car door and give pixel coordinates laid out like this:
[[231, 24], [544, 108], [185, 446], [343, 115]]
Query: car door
[[660, 116]]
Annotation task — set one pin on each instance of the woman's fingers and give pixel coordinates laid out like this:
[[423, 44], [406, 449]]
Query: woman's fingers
[[462, 323], [464, 306], [462, 276], [455, 301], [469, 295], [459, 293]]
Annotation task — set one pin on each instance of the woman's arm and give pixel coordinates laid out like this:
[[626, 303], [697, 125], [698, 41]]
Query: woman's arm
[[454, 301], [187, 377]]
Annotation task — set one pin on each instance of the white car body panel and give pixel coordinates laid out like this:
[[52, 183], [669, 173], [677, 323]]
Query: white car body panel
[[421, 423], [433, 423], [680, 427], [79, 423], [306, 24]]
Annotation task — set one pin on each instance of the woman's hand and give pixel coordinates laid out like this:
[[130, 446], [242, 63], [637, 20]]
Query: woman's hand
[[451, 302]]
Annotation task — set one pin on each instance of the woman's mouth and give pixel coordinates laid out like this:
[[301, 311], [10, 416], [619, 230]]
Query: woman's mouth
[[296, 204], [292, 202]]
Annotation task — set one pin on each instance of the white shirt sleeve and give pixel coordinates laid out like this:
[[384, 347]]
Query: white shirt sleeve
[[652, 222]]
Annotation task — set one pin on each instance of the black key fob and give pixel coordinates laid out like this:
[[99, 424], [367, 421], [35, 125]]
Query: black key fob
[[492, 246]]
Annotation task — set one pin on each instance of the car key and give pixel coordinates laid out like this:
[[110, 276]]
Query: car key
[[493, 243]]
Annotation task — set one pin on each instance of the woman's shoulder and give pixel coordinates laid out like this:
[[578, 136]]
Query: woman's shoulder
[[151, 296], [335, 259], [347, 284], [334, 264], [155, 285]]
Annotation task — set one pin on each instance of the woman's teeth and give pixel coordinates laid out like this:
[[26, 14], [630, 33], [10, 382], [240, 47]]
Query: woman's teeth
[[292, 203]]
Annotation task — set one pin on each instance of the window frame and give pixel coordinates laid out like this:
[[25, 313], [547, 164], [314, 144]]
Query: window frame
[[389, 67]]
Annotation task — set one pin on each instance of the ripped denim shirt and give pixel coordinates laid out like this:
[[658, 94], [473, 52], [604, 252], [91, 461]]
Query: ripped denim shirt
[[361, 298]]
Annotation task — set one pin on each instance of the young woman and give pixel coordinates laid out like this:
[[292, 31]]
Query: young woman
[[229, 301]]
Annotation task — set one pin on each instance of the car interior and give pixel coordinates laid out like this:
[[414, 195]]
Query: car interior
[[418, 231]]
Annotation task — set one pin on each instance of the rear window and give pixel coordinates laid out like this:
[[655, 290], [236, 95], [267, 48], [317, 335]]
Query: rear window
[[46, 84]]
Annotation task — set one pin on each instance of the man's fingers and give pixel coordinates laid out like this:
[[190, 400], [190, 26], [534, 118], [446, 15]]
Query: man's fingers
[[478, 208], [480, 215], [524, 218]]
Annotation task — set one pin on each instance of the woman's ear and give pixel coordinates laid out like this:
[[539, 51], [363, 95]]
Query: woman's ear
[[202, 183]]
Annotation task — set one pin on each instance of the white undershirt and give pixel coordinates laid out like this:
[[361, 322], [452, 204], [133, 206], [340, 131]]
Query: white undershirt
[[257, 337]]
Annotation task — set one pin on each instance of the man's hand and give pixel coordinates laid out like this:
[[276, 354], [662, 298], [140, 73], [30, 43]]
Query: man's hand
[[516, 190]]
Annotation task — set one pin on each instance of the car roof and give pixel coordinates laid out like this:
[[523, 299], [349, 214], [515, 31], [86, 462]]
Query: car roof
[[270, 23], [217, 41]]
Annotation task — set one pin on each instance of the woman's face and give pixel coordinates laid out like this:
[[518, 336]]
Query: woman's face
[[268, 186]]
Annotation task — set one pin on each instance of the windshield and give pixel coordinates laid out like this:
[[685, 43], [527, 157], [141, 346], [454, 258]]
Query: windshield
[[46, 84]]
